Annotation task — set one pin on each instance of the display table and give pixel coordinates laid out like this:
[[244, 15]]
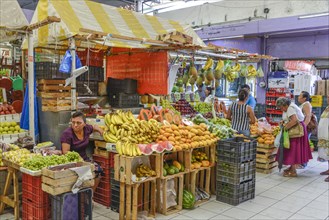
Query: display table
[[13, 170]]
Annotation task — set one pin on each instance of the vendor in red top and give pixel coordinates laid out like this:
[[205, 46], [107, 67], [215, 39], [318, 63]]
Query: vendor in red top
[[76, 137]]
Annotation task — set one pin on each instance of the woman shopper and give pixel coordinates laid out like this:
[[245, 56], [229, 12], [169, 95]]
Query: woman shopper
[[209, 96], [220, 107], [323, 137], [241, 114], [304, 99], [299, 151]]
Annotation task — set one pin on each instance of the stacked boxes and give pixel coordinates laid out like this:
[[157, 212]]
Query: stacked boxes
[[35, 202], [236, 170]]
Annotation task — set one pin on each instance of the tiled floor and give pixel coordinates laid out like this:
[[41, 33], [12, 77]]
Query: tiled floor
[[305, 197]]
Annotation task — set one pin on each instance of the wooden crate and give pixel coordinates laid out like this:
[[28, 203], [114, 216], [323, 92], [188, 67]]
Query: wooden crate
[[176, 37], [123, 167], [213, 179], [268, 165], [210, 152], [183, 157], [265, 160], [265, 145], [55, 108], [267, 150], [101, 152], [56, 181], [53, 86], [137, 197], [162, 193], [266, 171], [199, 178]]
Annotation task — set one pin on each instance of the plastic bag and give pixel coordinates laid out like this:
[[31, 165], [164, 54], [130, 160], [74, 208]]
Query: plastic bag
[[286, 142], [66, 63], [277, 139]]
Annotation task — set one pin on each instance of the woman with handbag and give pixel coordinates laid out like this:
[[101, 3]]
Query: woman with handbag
[[293, 121], [323, 137]]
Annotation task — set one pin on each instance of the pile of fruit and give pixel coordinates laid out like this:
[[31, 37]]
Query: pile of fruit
[[160, 115], [5, 148], [127, 131], [231, 72], [10, 128], [144, 171], [186, 137], [38, 162], [184, 107], [44, 144], [221, 121], [167, 105], [18, 156], [6, 109], [199, 159], [266, 139], [203, 107], [172, 167]]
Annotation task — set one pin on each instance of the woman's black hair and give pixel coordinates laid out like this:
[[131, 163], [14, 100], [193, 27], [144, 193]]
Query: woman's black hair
[[307, 96], [243, 94], [79, 114], [209, 89]]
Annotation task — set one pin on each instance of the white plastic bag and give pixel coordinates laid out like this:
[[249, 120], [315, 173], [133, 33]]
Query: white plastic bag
[[277, 139]]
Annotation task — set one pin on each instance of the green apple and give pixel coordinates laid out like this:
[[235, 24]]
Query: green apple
[[11, 129], [1, 124], [6, 124], [1, 129], [4, 132], [13, 123], [10, 132], [6, 128], [17, 128], [22, 130]]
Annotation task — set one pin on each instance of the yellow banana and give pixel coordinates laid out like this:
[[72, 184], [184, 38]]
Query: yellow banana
[[112, 129], [220, 65], [118, 147]]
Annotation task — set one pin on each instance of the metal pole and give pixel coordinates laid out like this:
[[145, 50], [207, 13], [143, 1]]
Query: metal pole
[[31, 85], [139, 6], [73, 83]]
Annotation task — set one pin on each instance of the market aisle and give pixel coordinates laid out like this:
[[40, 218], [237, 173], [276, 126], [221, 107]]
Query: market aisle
[[277, 197]]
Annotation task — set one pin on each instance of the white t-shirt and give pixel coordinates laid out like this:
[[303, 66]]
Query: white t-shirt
[[293, 109], [208, 99]]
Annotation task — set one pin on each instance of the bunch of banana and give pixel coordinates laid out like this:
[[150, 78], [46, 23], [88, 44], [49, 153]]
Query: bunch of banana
[[144, 171], [118, 118], [219, 69], [252, 72], [236, 67], [209, 63], [193, 70], [127, 148], [276, 130]]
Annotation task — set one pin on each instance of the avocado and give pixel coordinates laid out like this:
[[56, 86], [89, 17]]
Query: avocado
[[164, 172], [165, 166], [171, 171], [174, 168]]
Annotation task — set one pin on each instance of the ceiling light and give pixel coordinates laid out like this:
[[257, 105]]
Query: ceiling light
[[215, 54], [314, 15], [228, 37]]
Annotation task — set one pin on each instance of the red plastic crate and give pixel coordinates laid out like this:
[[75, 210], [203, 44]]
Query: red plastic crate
[[104, 162], [32, 190], [31, 211], [101, 199], [104, 184], [104, 192]]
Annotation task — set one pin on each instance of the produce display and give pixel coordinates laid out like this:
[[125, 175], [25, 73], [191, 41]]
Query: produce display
[[38, 162], [266, 139], [184, 107], [18, 156], [144, 171], [221, 121], [188, 199], [4, 148], [199, 159], [167, 105], [45, 144], [231, 73], [160, 115], [203, 107], [10, 128], [172, 167], [6, 109], [186, 137]]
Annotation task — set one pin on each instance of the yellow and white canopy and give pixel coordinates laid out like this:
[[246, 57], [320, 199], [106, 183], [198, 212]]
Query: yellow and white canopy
[[12, 20], [103, 18]]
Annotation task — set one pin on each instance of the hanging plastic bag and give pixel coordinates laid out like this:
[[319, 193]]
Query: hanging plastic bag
[[260, 72], [286, 141], [277, 139], [66, 63]]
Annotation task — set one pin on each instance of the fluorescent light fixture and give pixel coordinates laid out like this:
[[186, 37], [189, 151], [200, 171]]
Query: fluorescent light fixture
[[228, 37], [197, 29], [314, 15], [215, 54]]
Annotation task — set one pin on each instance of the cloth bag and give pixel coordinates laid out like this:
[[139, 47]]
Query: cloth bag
[[286, 140], [296, 131]]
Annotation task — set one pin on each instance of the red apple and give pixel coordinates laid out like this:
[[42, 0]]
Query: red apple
[[13, 111], [2, 113], [5, 105], [0, 108], [10, 108], [4, 109], [7, 112]]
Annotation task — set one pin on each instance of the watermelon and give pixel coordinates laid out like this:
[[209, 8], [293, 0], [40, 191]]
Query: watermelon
[[188, 200]]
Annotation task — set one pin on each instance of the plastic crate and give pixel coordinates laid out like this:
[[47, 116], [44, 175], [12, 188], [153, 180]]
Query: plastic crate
[[106, 191], [242, 157], [105, 200], [227, 189], [82, 88], [104, 162], [72, 206], [95, 74], [236, 199], [32, 190], [104, 184], [49, 70], [123, 100], [30, 211], [235, 178], [236, 168], [115, 193], [121, 86]]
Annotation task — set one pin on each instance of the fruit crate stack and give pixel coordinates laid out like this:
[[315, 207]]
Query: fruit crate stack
[[55, 96], [36, 203], [115, 193], [265, 158], [236, 170], [102, 193]]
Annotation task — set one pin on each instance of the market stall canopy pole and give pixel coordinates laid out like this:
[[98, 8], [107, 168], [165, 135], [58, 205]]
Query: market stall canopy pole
[[103, 18]]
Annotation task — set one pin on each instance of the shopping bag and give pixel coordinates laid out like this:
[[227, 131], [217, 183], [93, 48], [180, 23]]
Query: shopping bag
[[277, 139], [286, 141], [66, 63]]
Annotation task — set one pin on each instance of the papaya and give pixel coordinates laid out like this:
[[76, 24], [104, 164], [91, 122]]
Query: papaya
[[177, 164], [145, 114], [154, 110], [168, 117], [177, 120]]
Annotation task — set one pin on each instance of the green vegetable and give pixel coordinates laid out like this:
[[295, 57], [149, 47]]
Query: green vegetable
[[164, 172], [171, 171], [174, 168]]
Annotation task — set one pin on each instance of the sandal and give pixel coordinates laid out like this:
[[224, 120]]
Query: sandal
[[300, 166], [325, 172], [326, 179], [290, 174], [287, 170]]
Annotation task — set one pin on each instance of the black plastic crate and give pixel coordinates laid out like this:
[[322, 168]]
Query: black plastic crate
[[236, 167], [49, 70], [235, 199], [123, 100], [242, 157], [121, 86], [95, 74], [115, 193], [235, 178], [231, 190], [72, 206], [82, 89]]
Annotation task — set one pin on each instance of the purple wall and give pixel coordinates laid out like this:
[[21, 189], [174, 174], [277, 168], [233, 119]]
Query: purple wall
[[251, 45]]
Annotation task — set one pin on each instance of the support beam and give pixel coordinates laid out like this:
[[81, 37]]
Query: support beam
[[31, 85]]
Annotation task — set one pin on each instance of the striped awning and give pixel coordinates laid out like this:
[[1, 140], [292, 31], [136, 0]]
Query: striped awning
[[12, 20], [102, 18]]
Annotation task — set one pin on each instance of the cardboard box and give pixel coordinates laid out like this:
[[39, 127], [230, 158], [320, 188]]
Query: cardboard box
[[305, 83], [321, 87]]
